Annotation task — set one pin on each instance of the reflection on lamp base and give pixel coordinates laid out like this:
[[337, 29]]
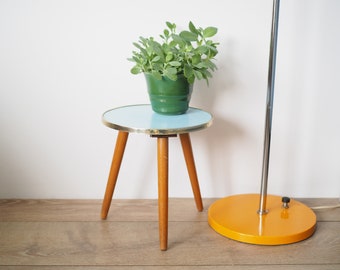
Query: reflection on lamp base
[[237, 217]]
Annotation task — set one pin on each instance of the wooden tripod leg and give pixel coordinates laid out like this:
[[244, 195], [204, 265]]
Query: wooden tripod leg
[[115, 166], [162, 157], [189, 159]]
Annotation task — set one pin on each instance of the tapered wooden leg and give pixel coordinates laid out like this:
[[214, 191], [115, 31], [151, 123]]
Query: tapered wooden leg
[[115, 166], [162, 157], [189, 159]]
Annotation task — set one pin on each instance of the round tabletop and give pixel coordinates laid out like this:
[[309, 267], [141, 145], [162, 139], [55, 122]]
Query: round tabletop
[[142, 119]]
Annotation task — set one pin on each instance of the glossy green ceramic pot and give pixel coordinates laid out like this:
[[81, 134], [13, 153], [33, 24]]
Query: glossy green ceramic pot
[[167, 96]]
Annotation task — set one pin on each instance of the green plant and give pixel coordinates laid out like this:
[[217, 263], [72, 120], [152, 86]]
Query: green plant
[[189, 53]]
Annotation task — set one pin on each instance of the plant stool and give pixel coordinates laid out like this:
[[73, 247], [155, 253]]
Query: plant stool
[[141, 119]]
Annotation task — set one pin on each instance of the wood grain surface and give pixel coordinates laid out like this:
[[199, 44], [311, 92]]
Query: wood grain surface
[[69, 234]]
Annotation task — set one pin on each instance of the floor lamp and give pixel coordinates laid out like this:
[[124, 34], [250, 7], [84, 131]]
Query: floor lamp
[[261, 218]]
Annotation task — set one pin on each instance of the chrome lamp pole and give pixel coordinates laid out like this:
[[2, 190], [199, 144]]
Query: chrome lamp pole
[[269, 108]]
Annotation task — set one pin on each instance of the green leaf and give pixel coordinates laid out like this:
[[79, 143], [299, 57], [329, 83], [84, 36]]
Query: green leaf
[[207, 74], [198, 74], [157, 66], [171, 26], [136, 45], [192, 28], [171, 73], [171, 70], [196, 59], [191, 79], [169, 57], [172, 77], [175, 63], [201, 49], [143, 40], [157, 49], [135, 70], [212, 65], [177, 40], [157, 75], [209, 31], [202, 65], [188, 71], [188, 36], [156, 58]]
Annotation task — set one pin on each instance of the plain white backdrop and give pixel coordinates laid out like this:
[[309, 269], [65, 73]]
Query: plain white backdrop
[[64, 62]]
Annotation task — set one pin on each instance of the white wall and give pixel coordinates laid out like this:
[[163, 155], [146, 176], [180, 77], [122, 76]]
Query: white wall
[[63, 63]]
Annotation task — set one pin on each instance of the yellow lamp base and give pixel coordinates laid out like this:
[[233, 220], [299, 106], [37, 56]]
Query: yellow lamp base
[[236, 217]]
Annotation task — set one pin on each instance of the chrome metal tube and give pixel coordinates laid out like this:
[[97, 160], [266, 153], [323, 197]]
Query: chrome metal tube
[[269, 108]]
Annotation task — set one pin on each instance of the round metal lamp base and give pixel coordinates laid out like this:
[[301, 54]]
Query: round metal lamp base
[[237, 217]]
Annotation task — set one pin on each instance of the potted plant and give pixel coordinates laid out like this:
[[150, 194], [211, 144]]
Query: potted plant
[[172, 65]]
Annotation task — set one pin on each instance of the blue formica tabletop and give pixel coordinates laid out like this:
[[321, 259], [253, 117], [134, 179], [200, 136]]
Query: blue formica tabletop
[[142, 119]]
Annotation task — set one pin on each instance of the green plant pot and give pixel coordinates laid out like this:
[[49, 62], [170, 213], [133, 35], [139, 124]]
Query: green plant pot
[[167, 96]]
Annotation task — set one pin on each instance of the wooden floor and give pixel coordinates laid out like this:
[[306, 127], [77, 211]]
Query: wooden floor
[[69, 235]]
